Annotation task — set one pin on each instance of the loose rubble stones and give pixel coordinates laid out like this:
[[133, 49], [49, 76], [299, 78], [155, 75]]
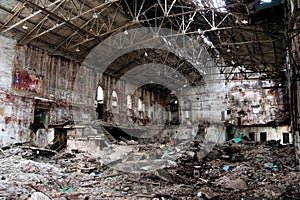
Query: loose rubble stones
[[231, 171]]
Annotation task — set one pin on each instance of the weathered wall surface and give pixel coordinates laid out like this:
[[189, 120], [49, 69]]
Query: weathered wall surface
[[58, 96], [208, 102], [256, 102], [258, 106], [294, 65], [196, 104], [272, 133], [15, 109], [66, 100], [17, 105], [7, 53], [297, 133]]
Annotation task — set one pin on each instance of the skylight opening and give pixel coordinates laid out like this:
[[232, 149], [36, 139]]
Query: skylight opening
[[219, 5], [265, 1]]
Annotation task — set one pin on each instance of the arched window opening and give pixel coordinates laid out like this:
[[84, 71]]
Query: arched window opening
[[141, 109], [186, 107], [114, 100], [140, 105], [100, 96], [100, 102], [129, 102], [172, 114]]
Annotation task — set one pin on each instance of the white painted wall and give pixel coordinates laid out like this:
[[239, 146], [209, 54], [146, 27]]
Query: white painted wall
[[7, 53], [273, 133]]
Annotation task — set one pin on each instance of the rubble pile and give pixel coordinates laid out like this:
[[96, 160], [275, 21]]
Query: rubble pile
[[244, 170]]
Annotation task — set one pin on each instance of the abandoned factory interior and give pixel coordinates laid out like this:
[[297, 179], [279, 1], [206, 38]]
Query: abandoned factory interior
[[149, 99]]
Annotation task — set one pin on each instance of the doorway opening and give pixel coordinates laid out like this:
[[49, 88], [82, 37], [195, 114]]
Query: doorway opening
[[252, 136], [286, 138], [263, 136], [41, 116]]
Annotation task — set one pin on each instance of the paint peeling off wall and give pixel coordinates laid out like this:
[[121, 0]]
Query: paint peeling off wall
[[7, 53], [256, 102], [16, 113], [15, 109]]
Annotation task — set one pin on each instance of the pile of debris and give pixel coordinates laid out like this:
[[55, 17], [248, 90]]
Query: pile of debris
[[244, 170]]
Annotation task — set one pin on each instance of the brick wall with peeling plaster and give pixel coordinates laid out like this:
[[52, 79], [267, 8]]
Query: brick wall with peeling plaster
[[256, 102], [257, 106], [17, 108]]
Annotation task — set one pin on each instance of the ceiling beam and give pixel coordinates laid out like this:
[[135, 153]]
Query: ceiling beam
[[41, 22], [30, 16], [63, 21], [19, 9]]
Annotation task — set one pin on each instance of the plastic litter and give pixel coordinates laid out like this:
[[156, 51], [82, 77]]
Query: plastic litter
[[66, 190], [226, 168], [165, 154], [236, 140]]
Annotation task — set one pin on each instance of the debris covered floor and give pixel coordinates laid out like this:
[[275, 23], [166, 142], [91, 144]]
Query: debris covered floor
[[245, 170]]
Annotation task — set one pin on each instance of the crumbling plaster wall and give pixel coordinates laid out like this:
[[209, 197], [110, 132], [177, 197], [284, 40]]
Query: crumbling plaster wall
[[15, 108], [59, 92], [207, 102], [67, 100], [253, 102], [205, 105], [257, 106]]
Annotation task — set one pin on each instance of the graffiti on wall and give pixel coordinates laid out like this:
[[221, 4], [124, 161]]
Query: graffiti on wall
[[26, 82]]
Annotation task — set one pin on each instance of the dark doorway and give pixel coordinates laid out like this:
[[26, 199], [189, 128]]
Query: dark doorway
[[173, 108], [41, 116], [239, 121], [252, 136], [263, 136], [230, 131], [286, 138], [99, 110]]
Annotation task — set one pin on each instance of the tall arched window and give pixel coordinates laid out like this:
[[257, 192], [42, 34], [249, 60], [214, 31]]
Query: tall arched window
[[129, 102], [186, 107], [140, 105], [100, 96], [100, 102], [114, 99]]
